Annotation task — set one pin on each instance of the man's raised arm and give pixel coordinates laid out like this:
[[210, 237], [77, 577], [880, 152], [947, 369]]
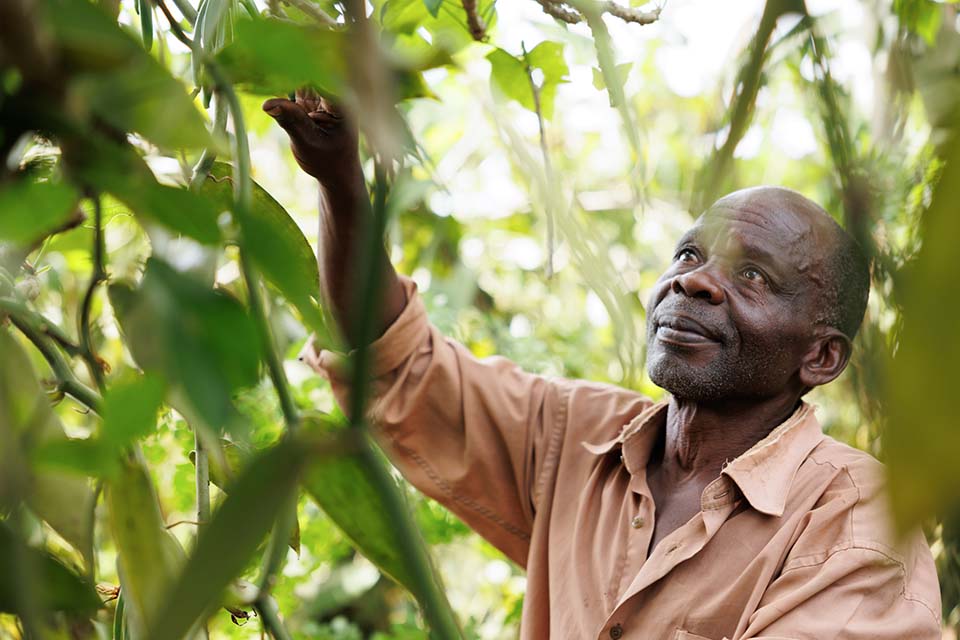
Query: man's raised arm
[[324, 144]]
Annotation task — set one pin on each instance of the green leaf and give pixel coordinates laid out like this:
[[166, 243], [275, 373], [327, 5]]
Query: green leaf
[[27, 423], [117, 169], [270, 57], [200, 339], [509, 75], [125, 86], [623, 70], [344, 487], [922, 442], [54, 586], [277, 247], [32, 210], [146, 23], [130, 409], [86, 457], [226, 545], [433, 6], [148, 556]]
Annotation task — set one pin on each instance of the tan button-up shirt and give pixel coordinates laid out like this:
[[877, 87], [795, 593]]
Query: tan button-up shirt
[[791, 541]]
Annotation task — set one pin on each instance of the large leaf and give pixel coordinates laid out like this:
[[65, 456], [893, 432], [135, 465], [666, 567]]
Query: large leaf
[[126, 87], [276, 245], [200, 339], [117, 169], [27, 423], [270, 57], [52, 585], [148, 556], [922, 442], [130, 409], [347, 490], [31, 210], [227, 543]]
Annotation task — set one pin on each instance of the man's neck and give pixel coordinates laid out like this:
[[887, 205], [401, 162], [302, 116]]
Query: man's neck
[[699, 438]]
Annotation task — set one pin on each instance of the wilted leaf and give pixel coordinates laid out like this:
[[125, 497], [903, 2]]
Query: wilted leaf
[[226, 544], [202, 340], [276, 245], [148, 556], [56, 587], [27, 423]]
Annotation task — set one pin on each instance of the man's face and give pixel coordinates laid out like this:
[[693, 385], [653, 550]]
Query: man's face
[[733, 315]]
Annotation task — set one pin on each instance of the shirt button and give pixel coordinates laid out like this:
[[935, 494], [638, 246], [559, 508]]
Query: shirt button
[[616, 632], [637, 522]]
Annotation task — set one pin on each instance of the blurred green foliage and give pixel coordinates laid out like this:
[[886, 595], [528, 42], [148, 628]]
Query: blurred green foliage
[[545, 173]]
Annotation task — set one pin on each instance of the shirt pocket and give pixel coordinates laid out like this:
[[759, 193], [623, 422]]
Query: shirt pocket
[[686, 635]]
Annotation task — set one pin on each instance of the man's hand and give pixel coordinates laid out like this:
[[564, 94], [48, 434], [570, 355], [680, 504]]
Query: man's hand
[[324, 143], [323, 140]]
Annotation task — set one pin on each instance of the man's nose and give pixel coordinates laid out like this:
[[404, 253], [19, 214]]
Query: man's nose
[[698, 284]]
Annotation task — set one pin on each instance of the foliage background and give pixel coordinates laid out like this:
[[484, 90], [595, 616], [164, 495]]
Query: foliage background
[[549, 264]]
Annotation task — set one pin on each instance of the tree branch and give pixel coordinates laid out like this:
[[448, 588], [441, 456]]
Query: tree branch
[[559, 10], [478, 30]]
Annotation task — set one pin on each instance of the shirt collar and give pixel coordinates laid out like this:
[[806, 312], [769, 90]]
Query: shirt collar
[[764, 473]]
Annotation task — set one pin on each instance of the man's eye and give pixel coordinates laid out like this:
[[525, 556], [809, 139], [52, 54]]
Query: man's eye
[[753, 274], [687, 255]]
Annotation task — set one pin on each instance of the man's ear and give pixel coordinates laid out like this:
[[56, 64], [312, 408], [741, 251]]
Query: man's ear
[[826, 359]]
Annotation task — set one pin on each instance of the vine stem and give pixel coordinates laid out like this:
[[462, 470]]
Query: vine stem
[[243, 196], [371, 86], [66, 380], [547, 167], [94, 364]]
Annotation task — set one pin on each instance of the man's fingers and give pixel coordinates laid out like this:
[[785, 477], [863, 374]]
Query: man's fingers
[[289, 115], [325, 119]]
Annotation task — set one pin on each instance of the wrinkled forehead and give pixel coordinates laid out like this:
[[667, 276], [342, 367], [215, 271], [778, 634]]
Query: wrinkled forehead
[[791, 239]]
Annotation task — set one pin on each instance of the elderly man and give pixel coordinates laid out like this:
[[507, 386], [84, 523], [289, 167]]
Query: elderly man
[[723, 512]]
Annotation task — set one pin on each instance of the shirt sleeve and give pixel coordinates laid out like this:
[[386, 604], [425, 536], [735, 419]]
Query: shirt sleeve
[[855, 593], [480, 436]]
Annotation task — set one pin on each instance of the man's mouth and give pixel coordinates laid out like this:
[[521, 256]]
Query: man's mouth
[[683, 331]]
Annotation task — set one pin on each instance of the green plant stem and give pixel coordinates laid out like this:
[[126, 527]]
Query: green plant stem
[[187, 10], [203, 482], [549, 192], [94, 364], [369, 298], [436, 608], [314, 11], [66, 380], [749, 79], [270, 618], [209, 155], [243, 196], [40, 324]]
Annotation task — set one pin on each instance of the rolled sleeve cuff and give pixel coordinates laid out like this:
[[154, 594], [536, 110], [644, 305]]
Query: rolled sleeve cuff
[[387, 352]]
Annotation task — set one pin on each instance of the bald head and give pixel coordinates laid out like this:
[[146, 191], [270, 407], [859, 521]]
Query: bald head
[[829, 255]]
